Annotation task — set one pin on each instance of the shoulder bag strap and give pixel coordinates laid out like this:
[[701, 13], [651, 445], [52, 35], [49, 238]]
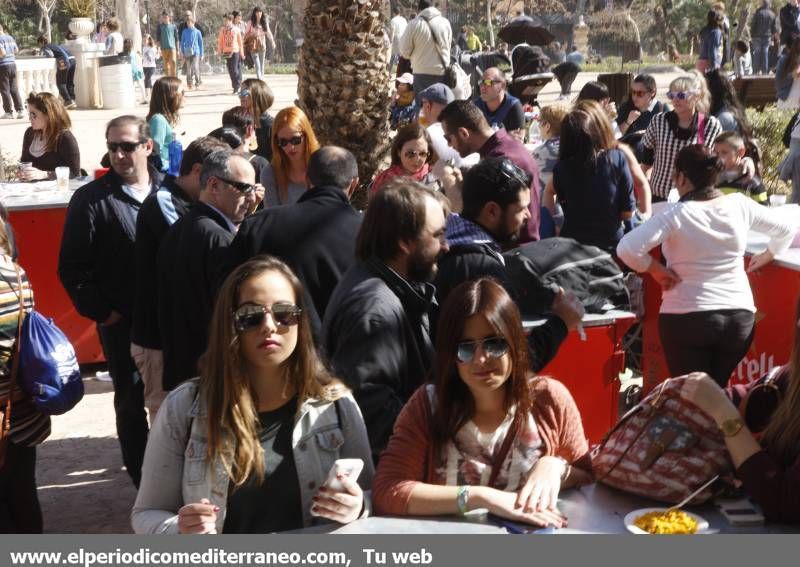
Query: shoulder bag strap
[[445, 64], [701, 128], [6, 425], [499, 458]]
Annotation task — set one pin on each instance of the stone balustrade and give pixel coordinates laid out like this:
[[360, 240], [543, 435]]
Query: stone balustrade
[[36, 74]]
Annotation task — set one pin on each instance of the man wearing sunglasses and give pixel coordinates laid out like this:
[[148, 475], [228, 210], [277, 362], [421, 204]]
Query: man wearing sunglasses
[[467, 131], [96, 266], [316, 236], [501, 109], [160, 211], [496, 194], [190, 257], [376, 330]]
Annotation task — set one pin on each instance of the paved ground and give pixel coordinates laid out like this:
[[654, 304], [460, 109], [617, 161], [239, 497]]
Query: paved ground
[[82, 485]]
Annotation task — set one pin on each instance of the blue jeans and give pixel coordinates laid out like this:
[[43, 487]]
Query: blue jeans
[[760, 49], [259, 58], [235, 70]]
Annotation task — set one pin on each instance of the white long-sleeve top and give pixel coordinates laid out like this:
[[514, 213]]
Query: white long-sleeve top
[[704, 243]]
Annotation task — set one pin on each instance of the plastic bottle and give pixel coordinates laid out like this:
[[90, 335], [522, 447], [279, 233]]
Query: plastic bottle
[[175, 156]]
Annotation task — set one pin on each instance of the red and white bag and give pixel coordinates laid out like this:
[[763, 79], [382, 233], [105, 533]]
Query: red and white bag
[[664, 448]]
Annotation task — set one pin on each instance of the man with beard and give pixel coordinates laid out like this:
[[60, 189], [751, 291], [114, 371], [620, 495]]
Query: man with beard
[[467, 131], [496, 194], [376, 329]]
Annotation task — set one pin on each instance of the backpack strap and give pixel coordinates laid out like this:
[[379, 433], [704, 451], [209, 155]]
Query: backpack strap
[[6, 423]]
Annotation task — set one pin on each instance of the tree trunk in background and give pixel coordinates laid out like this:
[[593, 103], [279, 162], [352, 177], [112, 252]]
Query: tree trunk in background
[[45, 9], [742, 30], [344, 81], [128, 15]]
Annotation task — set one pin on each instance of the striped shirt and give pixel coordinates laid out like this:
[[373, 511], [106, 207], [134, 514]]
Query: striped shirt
[[665, 139], [29, 426]]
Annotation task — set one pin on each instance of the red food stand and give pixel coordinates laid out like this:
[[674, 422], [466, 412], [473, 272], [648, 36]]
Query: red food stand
[[590, 369], [37, 213]]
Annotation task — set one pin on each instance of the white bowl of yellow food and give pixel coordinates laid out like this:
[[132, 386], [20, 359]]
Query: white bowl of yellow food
[[658, 521]]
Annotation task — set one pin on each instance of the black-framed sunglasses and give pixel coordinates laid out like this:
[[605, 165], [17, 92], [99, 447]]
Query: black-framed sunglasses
[[251, 315], [512, 171], [494, 347], [127, 147], [294, 140], [240, 186]]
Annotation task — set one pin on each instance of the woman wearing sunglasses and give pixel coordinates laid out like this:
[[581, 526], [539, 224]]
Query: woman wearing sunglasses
[[764, 443], [484, 433], [636, 113], [706, 321], [166, 102], [688, 123], [49, 142], [293, 142], [412, 157], [247, 447]]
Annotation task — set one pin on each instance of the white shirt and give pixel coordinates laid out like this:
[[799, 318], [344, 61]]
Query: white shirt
[[704, 243], [138, 194], [397, 25]]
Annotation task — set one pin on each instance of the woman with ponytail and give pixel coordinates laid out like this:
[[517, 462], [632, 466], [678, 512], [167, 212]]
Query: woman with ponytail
[[707, 311]]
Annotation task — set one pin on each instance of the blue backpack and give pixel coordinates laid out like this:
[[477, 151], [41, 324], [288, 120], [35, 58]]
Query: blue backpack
[[48, 368]]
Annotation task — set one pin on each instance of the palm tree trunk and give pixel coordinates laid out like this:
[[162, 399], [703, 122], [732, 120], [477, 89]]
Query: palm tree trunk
[[344, 79]]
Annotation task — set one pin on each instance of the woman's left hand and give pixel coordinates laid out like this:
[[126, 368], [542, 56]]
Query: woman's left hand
[[760, 260], [342, 507], [540, 491], [33, 174]]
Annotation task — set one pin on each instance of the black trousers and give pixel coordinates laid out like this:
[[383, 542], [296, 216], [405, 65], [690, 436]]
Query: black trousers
[[128, 396], [235, 70], [65, 81], [713, 342], [8, 88], [20, 512]]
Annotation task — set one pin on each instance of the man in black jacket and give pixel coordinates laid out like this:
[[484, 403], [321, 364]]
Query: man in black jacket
[[189, 259], [160, 211], [496, 195], [96, 268], [790, 22], [316, 236], [376, 329]]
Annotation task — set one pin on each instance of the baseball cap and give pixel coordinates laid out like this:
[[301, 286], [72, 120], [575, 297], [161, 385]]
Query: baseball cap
[[438, 92], [406, 78]]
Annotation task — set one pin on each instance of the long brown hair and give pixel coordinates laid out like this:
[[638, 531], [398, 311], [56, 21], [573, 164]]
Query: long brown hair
[[782, 435], [454, 402], [165, 99], [58, 120], [231, 402], [261, 97], [407, 133], [297, 120]]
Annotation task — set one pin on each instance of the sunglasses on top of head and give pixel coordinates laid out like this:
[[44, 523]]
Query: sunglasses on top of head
[[251, 316], [512, 171], [494, 347], [127, 147], [294, 140]]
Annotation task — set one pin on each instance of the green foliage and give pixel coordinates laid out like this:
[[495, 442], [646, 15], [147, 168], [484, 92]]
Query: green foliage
[[768, 127], [79, 8], [22, 28]]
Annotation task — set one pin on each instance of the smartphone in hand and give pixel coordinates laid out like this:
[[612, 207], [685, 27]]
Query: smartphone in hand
[[350, 468]]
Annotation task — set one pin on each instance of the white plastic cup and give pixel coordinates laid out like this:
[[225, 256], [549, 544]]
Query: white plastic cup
[[777, 200], [62, 178]]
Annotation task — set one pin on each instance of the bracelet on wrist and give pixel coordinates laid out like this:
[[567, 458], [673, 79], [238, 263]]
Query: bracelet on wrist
[[567, 468], [462, 499]]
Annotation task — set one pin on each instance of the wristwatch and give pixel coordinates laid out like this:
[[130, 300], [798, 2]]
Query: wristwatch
[[730, 427]]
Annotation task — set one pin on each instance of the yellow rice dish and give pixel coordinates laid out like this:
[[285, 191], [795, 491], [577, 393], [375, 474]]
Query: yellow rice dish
[[671, 522]]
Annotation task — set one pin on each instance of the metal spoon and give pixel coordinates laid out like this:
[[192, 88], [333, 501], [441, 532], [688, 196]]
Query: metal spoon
[[688, 499]]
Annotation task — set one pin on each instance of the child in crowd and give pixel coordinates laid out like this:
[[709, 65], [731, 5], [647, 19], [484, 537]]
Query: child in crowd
[[149, 56], [136, 69], [546, 156], [404, 108], [736, 177], [742, 63]]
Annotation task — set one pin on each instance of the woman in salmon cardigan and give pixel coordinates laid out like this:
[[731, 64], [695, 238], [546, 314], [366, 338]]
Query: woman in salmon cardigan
[[485, 433]]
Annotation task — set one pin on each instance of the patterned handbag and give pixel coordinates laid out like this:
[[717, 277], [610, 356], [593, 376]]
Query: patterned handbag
[[664, 448]]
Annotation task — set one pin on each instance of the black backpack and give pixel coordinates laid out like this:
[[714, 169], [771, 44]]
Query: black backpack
[[536, 270]]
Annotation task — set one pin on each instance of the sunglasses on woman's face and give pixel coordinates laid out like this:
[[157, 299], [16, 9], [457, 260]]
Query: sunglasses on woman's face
[[294, 140], [494, 347], [411, 154], [251, 316], [680, 95]]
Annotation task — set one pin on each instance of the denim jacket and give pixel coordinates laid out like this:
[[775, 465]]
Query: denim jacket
[[177, 471]]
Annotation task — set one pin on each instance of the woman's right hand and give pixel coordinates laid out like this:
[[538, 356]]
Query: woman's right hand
[[198, 518], [503, 504], [665, 277]]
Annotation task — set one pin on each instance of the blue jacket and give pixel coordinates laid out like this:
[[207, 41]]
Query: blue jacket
[[191, 42], [711, 47]]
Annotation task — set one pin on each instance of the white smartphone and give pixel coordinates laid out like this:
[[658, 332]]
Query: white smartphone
[[350, 468]]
